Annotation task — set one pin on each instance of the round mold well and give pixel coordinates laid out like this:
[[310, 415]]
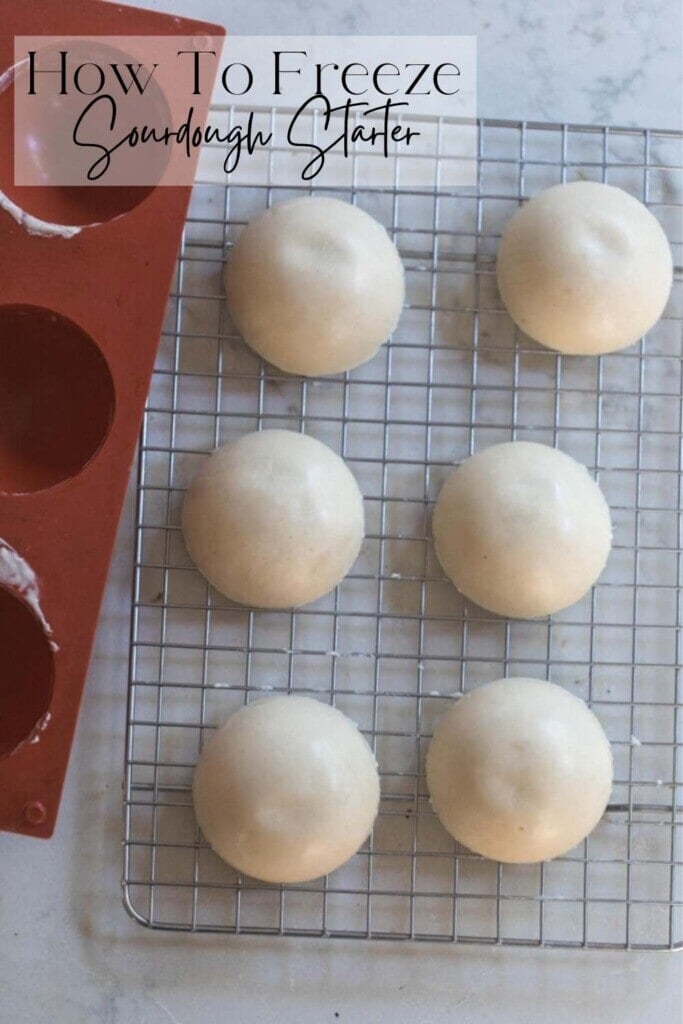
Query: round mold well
[[56, 399], [43, 143], [27, 677]]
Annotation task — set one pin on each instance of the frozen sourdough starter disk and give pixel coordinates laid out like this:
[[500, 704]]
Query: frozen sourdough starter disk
[[287, 789], [315, 286], [274, 520], [519, 770], [584, 268], [522, 529]]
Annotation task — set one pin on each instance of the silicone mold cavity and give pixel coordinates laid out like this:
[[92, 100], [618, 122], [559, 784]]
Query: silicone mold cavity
[[56, 399], [42, 146], [27, 678]]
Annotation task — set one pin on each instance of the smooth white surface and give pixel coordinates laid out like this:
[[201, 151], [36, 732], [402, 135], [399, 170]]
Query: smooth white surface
[[584, 268], [315, 285], [519, 770], [70, 955], [522, 529], [583, 61], [287, 789], [274, 519]]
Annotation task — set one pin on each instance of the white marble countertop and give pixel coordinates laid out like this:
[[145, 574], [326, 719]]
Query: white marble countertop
[[70, 955]]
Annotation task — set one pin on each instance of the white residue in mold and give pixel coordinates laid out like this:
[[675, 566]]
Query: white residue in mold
[[34, 225], [41, 726], [17, 574], [635, 742]]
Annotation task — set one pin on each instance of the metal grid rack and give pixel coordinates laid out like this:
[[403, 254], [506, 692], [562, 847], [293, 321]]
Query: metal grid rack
[[395, 641]]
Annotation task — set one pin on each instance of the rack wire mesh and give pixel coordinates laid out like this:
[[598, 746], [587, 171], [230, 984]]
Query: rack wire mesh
[[395, 641]]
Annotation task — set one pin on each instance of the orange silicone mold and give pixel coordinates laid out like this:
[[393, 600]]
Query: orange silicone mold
[[80, 319]]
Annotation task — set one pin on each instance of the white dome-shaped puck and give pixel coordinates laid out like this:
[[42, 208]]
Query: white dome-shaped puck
[[584, 268], [315, 286], [274, 520], [519, 770], [522, 529], [286, 790]]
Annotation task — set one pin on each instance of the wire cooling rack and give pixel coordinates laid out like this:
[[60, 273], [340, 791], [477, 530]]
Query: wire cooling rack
[[395, 641]]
